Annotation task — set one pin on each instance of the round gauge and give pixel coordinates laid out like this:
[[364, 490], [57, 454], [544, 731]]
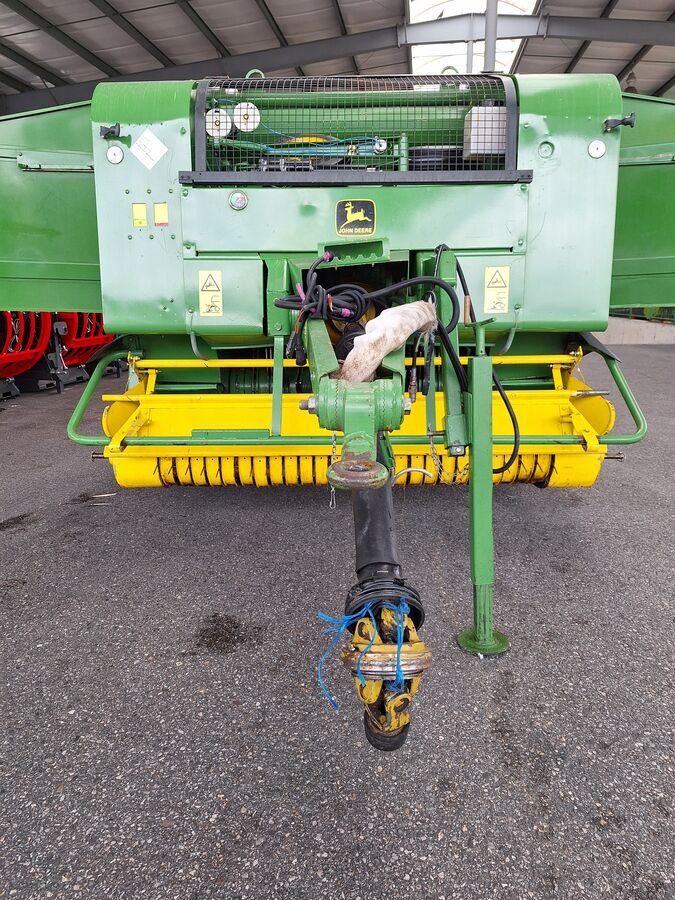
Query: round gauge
[[246, 116], [596, 149], [114, 154], [218, 123], [238, 200]]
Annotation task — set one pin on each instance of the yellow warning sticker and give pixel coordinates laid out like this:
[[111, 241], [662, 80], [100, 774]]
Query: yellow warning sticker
[[210, 292], [161, 214], [139, 215], [496, 290]]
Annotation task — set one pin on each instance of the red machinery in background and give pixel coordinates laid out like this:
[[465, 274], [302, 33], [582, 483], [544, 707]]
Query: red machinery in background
[[39, 351], [24, 341], [82, 337]]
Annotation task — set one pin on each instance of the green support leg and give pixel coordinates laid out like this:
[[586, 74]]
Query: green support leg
[[481, 638], [277, 384]]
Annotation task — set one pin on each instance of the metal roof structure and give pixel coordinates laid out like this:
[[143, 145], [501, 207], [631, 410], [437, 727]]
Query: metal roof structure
[[55, 51], [653, 66], [60, 42]]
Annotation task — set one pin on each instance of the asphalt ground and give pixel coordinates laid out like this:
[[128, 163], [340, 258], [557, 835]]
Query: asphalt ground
[[163, 734]]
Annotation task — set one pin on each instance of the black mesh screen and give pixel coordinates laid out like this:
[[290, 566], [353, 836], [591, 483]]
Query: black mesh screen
[[390, 128]]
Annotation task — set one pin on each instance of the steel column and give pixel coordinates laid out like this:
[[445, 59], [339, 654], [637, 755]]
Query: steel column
[[490, 36]]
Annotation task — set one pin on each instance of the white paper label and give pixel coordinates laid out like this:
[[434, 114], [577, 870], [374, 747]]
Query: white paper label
[[148, 149]]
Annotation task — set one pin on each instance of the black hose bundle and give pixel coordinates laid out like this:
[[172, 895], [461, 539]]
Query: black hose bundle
[[350, 302], [347, 302]]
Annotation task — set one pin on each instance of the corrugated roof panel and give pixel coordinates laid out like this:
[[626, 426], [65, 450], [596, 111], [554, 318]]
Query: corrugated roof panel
[[240, 25], [172, 31], [53, 55], [130, 6], [15, 71], [604, 55], [298, 27], [331, 67], [11, 23], [366, 16], [538, 55], [61, 12], [384, 62], [243, 28], [110, 43]]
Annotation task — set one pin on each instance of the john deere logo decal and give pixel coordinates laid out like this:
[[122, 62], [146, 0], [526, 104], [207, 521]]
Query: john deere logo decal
[[355, 217]]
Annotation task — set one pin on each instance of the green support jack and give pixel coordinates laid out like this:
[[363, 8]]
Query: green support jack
[[481, 638]]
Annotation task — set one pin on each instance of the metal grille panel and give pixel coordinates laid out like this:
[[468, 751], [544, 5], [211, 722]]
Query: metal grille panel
[[390, 128]]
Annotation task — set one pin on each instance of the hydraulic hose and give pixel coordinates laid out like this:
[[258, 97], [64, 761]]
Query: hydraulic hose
[[347, 302], [350, 302]]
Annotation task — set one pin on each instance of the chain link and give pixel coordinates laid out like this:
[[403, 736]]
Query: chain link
[[438, 464], [332, 503]]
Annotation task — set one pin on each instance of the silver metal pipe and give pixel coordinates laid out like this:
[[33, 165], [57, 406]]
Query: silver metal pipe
[[490, 36]]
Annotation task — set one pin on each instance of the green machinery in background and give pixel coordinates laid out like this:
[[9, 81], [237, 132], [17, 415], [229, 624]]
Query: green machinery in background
[[354, 282]]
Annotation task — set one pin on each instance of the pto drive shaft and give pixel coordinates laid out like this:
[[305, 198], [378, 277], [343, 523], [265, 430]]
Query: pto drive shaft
[[385, 654]]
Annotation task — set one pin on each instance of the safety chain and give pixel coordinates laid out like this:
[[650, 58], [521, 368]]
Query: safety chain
[[332, 503], [438, 464]]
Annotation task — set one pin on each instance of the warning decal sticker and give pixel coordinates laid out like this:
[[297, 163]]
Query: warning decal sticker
[[496, 290], [148, 149], [139, 215], [210, 292]]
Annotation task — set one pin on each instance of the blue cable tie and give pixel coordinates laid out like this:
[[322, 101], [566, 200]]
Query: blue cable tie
[[337, 626]]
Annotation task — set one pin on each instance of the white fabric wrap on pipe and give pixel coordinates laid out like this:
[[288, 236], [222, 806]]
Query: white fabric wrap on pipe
[[386, 332]]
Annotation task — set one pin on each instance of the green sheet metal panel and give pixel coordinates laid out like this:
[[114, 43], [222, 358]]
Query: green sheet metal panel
[[572, 197], [49, 249], [142, 265], [644, 242], [554, 235]]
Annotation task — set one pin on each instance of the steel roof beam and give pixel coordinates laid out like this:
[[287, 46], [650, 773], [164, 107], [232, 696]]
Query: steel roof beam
[[55, 32], [274, 25], [458, 28], [472, 27], [122, 22], [640, 55], [17, 84], [32, 66], [523, 44], [605, 14], [201, 25], [664, 88], [343, 28], [272, 22]]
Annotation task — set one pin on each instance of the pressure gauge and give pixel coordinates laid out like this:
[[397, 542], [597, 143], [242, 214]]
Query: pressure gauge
[[114, 154], [238, 200]]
